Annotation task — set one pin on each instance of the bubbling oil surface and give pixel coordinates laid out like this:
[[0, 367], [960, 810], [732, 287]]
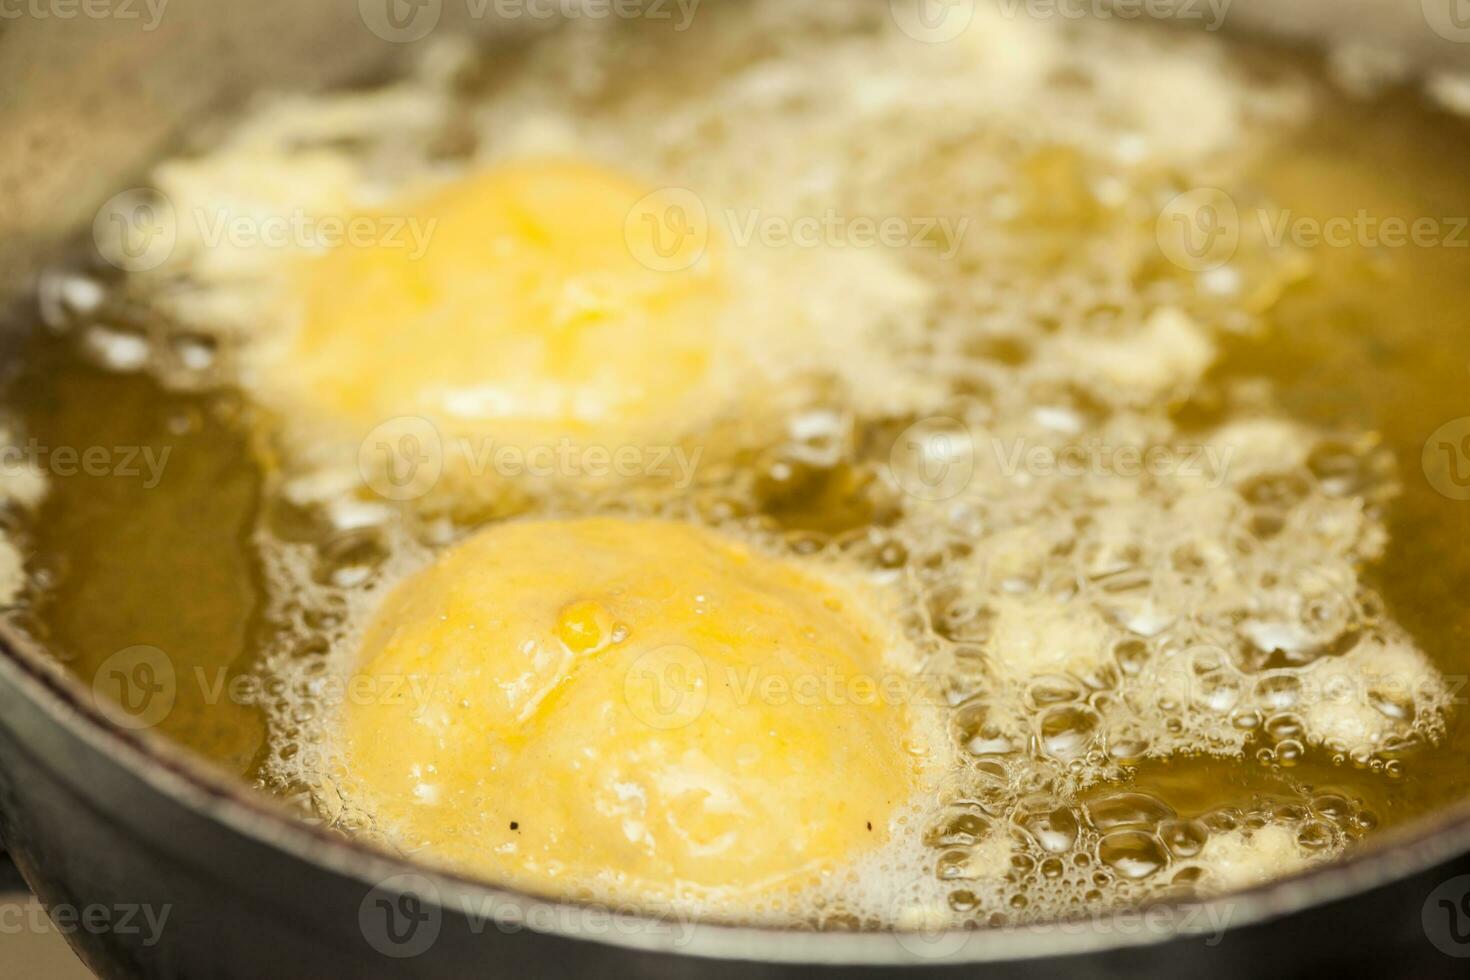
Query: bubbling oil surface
[[1159, 681]]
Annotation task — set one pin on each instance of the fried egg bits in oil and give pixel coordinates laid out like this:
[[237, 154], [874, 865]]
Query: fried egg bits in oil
[[642, 709]]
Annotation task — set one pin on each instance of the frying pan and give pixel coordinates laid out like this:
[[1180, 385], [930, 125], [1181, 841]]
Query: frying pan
[[195, 877]]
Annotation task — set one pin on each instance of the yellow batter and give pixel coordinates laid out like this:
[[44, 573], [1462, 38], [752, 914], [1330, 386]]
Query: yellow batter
[[642, 708], [548, 299]]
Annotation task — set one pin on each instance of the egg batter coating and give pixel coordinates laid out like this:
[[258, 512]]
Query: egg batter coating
[[646, 709], [550, 299]]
